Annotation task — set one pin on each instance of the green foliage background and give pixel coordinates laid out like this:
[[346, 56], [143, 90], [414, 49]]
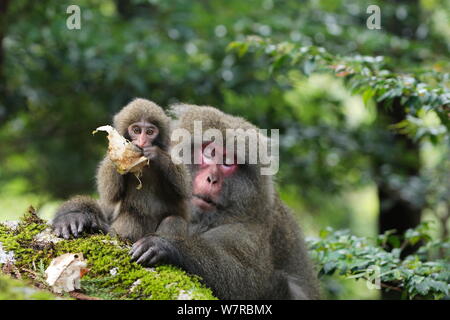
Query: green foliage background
[[309, 68]]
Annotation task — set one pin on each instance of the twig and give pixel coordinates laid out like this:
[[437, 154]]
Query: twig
[[82, 296], [384, 285], [11, 269], [33, 273]]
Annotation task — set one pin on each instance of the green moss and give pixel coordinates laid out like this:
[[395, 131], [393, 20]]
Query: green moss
[[111, 274], [17, 290], [20, 240]]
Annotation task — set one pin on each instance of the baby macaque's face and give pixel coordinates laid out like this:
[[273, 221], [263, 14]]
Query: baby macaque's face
[[143, 133]]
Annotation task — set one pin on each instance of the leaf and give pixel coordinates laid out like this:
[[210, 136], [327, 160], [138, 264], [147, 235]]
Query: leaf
[[324, 233], [367, 95], [423, 287], [65, 271], [394, 241], [329, 267], [309, 66], [243, 49], [125, 155], [279, 61]]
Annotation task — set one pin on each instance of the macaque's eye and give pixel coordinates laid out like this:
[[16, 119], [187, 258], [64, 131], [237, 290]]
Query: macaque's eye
[[150, 132], [136, 130], [208, 157], [229, 163], [228, 169], [208, 153]]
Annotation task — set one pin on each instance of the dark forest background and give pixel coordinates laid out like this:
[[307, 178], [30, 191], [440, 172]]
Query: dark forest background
[[367, 156]]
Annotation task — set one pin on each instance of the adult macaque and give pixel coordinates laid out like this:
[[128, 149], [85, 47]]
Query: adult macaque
[[242, 240], [161, 204]]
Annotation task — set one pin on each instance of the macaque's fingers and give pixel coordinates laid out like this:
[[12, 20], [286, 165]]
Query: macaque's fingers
[[94, 225], [158, 257], [148, 255], [139, 243], [74, 228], [70, 223], [80, 226], [136, 244], [137, 252], [103, 226], [57, 231], [65, 232], [99, 225], [150, 152]]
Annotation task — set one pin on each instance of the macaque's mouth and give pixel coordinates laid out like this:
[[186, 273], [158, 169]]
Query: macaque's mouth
[[137, 147], [205, 198], [203, 201]]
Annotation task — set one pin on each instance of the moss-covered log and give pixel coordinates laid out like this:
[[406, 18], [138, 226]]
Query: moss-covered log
[[28, 246]]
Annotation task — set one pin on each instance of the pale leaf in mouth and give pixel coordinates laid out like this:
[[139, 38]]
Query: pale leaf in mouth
[[126, 157]]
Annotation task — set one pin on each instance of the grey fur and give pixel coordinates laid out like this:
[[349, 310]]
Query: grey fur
[[248, 248]]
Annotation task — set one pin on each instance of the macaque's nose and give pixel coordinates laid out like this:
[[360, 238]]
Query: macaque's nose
[[142, 140], [212, 179]]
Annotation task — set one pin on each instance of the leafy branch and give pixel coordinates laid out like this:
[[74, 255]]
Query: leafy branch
[[418, 275], [368, 76]]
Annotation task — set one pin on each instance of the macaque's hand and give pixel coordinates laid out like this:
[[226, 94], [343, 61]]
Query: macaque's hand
[[152, 250], [150, 152], [73, 223]]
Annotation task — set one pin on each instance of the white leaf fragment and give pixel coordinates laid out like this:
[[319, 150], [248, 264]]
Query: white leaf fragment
[[135, 284], [185, 295], [64, 272], [125, 155], [47, 236], [11, 224], [113, 271], [6, 256]]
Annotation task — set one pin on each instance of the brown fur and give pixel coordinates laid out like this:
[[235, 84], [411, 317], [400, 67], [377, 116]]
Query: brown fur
[[132, 213]]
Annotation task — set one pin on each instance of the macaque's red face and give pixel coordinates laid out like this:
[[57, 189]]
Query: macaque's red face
[[212, 172], [143, 133]]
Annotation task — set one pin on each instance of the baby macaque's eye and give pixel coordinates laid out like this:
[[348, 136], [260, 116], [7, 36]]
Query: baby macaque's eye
[[150, 132], [137, 130]]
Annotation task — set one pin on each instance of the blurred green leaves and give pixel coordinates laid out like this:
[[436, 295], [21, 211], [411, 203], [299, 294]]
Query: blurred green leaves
[[364, 75], [59, 83], [417, 275], [311, 69]]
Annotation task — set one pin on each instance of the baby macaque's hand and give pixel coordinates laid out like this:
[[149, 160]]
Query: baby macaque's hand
[[150, 152]]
